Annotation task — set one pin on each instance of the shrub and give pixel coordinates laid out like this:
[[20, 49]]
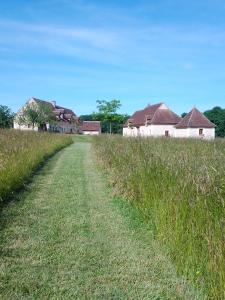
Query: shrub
[[179, 186]]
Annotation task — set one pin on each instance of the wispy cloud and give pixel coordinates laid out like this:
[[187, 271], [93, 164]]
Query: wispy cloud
[[94, 37], [112, 45]]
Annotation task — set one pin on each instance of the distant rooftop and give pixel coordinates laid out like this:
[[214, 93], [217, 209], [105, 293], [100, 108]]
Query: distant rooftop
[[91, 126]]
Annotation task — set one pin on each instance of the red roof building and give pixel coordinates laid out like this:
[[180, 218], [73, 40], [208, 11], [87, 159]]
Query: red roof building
[[158, 120], [91, 127], [65, 121], [195, 119], [158, 114]]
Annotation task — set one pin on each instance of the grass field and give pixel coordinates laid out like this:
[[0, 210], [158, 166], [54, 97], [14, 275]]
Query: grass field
[[20, 155], [179, 188], [69, 238]]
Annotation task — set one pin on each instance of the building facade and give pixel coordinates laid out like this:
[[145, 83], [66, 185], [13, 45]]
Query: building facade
[[91, 127], [158, 120], [65, 120]]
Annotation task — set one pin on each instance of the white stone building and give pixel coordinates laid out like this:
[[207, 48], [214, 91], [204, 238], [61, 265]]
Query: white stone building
[[65, 121], [158, 120], [91, 127], [195, 125]]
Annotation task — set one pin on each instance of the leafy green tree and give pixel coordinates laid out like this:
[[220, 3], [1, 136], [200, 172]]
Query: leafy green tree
[[116, 125], [36, 114], [86, 118], [6, 117], [107, 111], [183, 114], [217, 116]]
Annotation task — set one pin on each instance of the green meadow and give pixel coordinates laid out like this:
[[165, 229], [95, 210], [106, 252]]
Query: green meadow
[[21, 153], [111, 218], [179, 188]]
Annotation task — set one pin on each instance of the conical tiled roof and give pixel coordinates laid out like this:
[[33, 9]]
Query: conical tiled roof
[[195, 119]]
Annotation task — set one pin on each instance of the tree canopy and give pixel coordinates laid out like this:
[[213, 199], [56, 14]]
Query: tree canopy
[[183, 114], [107, 114], [217, 116], [36, 114], [6, 117], [111, 121]]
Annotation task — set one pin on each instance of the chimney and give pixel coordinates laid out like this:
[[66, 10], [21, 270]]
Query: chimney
[[54, 103]]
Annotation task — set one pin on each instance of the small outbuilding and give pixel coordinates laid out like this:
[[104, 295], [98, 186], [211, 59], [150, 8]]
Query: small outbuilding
[[91, 127], [195, 125]]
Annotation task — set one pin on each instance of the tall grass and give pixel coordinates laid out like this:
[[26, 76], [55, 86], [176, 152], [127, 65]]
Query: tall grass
[[21, 153], [179, 186]]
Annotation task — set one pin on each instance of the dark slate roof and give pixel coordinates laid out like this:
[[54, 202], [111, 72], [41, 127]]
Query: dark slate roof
[[153, 115], [91, 126], [195, 119]]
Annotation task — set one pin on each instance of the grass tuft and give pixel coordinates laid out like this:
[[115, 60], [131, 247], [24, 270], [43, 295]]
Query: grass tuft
[[21, 153], [179, 188]]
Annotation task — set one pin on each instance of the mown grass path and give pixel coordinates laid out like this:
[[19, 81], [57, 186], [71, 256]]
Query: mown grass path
[[67, 238]]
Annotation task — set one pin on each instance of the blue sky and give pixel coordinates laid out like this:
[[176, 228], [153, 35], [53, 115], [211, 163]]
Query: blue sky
[[140, 52]]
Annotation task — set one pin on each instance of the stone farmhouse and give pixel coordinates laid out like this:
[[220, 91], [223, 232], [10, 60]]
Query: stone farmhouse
[[158, 120], [91, 127], [66, 120]]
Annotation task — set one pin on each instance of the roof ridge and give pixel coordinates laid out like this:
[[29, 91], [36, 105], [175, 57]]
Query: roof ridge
[[160, 104], [152, 119], [189, 120]]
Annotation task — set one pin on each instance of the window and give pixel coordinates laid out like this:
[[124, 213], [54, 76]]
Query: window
[[28, 125], [200, 131], [138, 130], [167, 133]]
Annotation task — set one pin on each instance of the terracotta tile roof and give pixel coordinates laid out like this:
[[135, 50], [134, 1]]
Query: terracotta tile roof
[[195, 119], [165, 117], [153, 115], [62, 113], [91, 126]]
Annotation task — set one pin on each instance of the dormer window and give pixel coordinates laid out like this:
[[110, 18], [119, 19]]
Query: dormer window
[[130, 123]]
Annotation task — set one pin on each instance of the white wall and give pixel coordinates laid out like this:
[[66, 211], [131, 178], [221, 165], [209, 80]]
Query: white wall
[[145, 131], [208, 133], [130, 131], [182, 133], [150, 130], [159, 130], [91, 132], [24, 127], [63, 127]]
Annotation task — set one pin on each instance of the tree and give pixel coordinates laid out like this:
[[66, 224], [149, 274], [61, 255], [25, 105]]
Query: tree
[[36, 114], [86, 118], [107, 110], [217, 116], [6, 117], [183, 114]]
